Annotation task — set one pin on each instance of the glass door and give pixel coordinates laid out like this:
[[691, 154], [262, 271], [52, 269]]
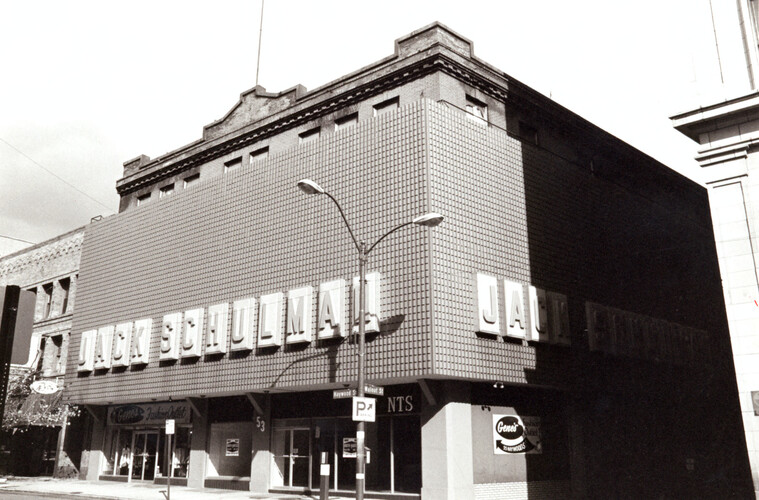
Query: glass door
[[144, 462], [292, 457]]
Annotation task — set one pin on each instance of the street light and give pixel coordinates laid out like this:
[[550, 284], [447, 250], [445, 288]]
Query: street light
[[431, 219]]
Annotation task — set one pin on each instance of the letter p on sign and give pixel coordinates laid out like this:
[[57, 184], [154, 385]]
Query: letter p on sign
[[364, 409]]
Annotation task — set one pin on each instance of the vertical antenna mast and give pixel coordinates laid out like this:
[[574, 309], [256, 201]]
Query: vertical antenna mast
[[260, 32]]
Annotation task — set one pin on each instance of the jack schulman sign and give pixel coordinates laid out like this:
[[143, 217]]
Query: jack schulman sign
[[544, 317], [255, 323]]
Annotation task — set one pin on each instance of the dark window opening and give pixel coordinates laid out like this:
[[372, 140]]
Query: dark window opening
[[346, 121], [386, 106], [65, 285], [309, 135]]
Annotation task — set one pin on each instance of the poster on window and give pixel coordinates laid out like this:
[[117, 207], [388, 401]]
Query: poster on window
[[515, 434], [233, 447], [349, 447]]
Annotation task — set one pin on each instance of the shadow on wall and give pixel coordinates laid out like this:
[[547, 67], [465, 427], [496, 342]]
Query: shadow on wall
[[628, 428]]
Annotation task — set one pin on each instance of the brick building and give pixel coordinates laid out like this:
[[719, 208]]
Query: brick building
[[32, 420], [561, 334]]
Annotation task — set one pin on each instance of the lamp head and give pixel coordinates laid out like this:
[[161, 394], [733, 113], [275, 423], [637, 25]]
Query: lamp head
[[431, 219], [310, 187]]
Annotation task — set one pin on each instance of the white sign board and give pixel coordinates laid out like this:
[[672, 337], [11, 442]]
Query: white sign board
[[170, 426], [233, 448], [364, 409], [349, 447], [44, 387], [516, 434]]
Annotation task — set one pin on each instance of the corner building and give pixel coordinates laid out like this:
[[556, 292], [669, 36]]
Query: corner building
[[561, 334]]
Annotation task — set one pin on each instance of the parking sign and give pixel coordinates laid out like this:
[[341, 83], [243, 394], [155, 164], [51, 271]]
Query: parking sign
[[364, 409]]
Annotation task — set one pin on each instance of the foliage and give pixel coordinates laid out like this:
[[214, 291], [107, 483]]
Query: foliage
[[24, 408]]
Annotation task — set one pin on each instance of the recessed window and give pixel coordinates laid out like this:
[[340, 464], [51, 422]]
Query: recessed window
[[166, 191], [48, 298], [309, 135], [190, 180], [232, 164], [65, 286], [386, 106], [528, 133], [143, 199], [346, 121], [259, 154], [476, 109]]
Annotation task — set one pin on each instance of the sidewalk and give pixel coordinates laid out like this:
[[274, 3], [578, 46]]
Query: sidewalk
[[45, 487]]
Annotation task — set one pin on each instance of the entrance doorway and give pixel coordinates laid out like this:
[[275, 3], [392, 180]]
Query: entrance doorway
[[292, 456], [145, 446]]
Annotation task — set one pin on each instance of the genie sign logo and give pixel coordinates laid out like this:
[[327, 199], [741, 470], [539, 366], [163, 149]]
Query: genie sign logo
[[155, 413], [515, 434]]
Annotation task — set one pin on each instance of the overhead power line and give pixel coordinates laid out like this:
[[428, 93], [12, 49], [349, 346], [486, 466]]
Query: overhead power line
[[55, 175], [17, 239]]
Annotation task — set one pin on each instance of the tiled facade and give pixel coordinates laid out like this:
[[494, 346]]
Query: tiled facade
[[600, 258]]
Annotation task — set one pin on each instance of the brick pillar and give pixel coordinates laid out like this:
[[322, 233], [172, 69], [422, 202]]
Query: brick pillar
[[447, 466]]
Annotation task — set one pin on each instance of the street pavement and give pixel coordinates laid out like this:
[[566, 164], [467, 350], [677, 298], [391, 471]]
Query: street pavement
[[45, 487]]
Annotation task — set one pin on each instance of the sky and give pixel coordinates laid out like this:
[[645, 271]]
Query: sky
[[88, 85]]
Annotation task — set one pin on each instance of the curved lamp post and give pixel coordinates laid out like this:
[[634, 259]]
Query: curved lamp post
[[431, 219]]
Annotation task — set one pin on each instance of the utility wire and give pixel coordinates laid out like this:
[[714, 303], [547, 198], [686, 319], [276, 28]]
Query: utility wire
[[55, 175], [17, 239]]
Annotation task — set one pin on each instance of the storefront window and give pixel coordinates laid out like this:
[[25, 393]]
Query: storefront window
[[393, 442], [393, 447], [123, 453], [181, 460], [406, 454]]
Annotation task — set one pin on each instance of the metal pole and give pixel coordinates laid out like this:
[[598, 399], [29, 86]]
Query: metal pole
[[260, 34], [170, 467], [324, 476], [61, 440], [360, 444]]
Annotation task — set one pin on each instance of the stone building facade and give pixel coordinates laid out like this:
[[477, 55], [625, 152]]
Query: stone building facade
[[726, 127], [34, 421]]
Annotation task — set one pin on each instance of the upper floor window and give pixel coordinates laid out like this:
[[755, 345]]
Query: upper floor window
[[309, 135], [65, 286], [346, 121], [190, 180], [53, 361], [166, 191], [259, 154], [386, 106], [48, 300], [232, 164], [143, 199], [528, 133], [476, 109]]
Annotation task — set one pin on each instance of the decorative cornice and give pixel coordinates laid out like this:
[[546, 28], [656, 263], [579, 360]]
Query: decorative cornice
[[42, 252], [424, 67]]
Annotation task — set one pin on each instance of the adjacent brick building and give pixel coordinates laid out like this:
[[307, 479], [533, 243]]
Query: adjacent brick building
[[33, 421], [561, 334]]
